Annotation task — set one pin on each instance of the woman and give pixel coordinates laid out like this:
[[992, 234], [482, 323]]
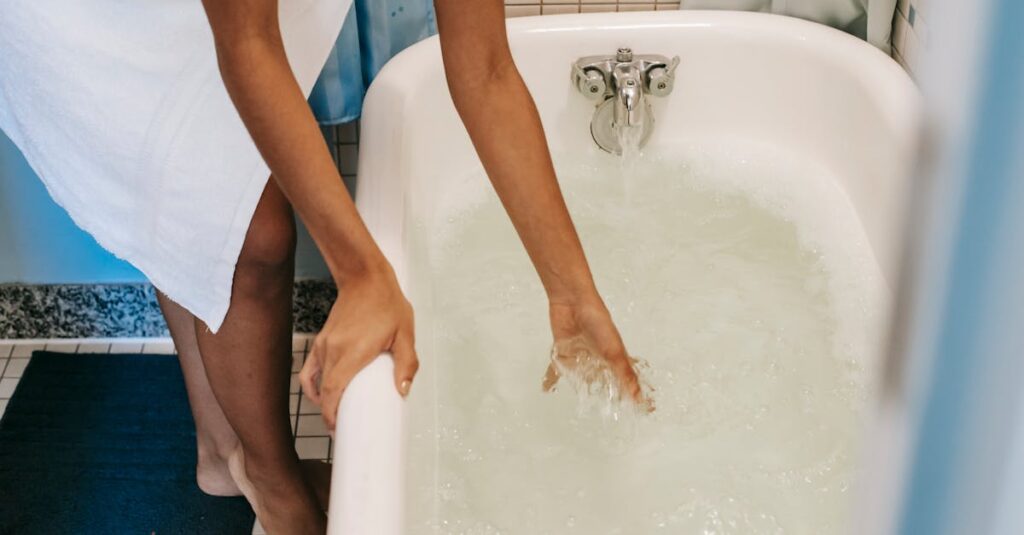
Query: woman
[[235, 357]]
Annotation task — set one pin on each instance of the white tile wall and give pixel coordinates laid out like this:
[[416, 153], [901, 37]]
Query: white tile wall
[[910, 32], [522, 8]]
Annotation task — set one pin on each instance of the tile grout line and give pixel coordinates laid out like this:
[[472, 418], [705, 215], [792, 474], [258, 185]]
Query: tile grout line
[[298, 403], [99, 340], [7, 360]]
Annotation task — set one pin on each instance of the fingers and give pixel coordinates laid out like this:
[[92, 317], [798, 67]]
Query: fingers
[[403, 351], [347, 359], [628, 380], [550, 378], [625, 370], [335, 361], [331, 391], [310, 374], [329, 408]]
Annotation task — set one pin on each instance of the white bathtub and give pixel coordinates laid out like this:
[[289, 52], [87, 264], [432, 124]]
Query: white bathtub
[[800, 87]]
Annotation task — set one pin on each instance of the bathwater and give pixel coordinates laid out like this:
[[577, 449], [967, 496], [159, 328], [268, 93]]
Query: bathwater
[[745, 281]]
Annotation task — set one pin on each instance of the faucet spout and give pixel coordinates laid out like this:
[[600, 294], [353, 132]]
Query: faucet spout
[[629, 97]]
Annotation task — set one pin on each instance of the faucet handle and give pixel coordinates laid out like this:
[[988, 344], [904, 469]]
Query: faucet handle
[[590, 82], [661, 79]]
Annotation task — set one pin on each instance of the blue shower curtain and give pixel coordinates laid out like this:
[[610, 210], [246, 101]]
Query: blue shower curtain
[[374, 32]]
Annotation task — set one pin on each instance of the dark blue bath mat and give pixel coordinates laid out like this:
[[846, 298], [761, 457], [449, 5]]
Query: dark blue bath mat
[[104, 444]]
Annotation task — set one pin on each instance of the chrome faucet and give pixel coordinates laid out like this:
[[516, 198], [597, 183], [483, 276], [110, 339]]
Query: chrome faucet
[[630, 105], [621, 83]]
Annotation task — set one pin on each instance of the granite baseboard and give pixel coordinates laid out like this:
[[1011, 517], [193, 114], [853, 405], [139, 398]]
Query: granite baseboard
[[120, 310]]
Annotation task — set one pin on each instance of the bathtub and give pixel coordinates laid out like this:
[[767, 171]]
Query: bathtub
[[803, 88]]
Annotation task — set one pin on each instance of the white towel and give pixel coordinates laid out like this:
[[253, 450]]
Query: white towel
[[120, 109]]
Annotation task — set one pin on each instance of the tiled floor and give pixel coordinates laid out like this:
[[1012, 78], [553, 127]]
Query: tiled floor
[[311, 441]]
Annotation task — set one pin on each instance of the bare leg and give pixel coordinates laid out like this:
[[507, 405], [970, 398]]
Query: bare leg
[[248, 363], [215, 439]]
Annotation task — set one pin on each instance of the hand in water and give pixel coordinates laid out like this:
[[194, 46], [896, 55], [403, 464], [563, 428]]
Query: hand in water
[[588, 344]]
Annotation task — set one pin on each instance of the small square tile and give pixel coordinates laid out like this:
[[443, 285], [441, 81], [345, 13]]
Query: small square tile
[[900, 28], [26, 349], [295, 386], [62, 346], [158, 348], [311, 426], [348, 132], [16, 367], [297, 360], [94, 347], [3, 406], [312, 447], [298, 343], [636, 7], [522, 11], [549, 9], [910, 49], [293, 404], [7, 387], [126, 347], [329, 133], [306, 406], [5, 349], [348, 159]]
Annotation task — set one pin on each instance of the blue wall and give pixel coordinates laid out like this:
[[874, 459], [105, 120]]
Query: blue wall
[[39, 244], [38, 241]]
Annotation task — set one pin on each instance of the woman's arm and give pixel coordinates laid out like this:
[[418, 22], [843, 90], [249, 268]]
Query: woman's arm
[[372, 315], [505, 128]]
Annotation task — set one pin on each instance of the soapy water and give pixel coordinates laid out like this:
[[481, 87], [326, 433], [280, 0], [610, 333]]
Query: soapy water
[[745, 281]]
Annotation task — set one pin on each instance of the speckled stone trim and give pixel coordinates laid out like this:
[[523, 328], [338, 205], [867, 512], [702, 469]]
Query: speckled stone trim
[[120, 310]]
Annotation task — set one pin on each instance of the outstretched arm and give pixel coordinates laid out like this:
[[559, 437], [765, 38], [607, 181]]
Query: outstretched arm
[[372, 315], [505, 128]]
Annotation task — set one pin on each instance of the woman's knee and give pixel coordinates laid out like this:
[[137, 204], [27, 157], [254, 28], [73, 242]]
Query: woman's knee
[[269, 246]]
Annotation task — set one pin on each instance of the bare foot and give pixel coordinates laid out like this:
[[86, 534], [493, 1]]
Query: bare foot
[[236, 466], [214, 477], [279, 509], [318, 475]]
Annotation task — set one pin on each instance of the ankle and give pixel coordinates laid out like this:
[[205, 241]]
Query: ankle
[[213, 474], [273, 474], [282, 502], [214, 453]]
